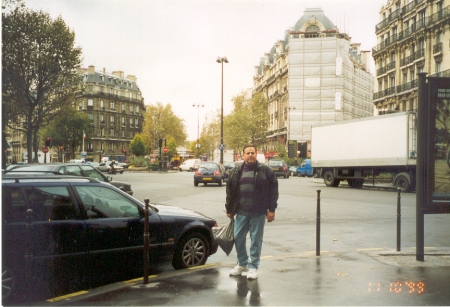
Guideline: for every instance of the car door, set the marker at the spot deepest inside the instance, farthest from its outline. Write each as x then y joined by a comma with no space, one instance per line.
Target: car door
114,224
47,222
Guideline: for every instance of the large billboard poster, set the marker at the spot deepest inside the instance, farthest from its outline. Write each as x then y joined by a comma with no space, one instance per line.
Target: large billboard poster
439,97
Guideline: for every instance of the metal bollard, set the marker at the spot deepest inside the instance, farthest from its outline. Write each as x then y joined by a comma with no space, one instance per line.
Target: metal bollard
398,220
318,225
146,237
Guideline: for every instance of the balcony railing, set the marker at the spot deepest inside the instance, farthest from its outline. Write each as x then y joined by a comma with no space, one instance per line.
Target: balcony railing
384,93
407,86
381,70
407,60
419,54
437,48
442,74
390,66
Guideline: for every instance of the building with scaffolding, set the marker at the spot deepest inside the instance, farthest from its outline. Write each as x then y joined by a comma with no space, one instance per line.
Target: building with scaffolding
315,75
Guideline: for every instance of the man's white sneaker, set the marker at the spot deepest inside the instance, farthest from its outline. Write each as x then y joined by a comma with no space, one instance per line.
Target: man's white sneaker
252,274
238,270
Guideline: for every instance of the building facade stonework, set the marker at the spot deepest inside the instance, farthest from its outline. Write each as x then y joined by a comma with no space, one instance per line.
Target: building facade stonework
314,75
413,37
116,109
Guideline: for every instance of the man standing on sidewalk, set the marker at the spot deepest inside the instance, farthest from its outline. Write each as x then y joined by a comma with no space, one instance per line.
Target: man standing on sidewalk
252,194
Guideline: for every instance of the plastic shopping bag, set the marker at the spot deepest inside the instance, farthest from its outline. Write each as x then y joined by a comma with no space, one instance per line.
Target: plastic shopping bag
224,236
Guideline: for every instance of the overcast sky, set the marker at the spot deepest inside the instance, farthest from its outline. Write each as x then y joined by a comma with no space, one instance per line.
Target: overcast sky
171,46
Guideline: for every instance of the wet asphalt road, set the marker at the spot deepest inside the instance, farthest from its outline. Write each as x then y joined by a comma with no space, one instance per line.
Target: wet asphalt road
357,226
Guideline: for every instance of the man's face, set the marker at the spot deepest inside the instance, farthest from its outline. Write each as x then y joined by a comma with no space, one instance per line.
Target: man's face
250,155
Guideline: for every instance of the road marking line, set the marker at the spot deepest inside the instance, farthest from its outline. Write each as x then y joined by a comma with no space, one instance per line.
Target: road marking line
138,279
59,298
202,266
266,257
370,249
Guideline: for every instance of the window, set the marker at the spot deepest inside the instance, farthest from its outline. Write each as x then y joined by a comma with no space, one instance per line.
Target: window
47,203
137,109
123,121
111,133
102,117
102,132
102,202
90,102
123,107
112,105
136,122
102,105
111,119
131,122
312,31
91,88
91,116
123,133
102,147
90,146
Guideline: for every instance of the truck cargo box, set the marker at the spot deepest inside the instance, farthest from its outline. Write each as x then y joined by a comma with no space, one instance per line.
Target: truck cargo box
384,140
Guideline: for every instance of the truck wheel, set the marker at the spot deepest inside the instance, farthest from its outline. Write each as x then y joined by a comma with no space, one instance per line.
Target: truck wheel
403,182
329,179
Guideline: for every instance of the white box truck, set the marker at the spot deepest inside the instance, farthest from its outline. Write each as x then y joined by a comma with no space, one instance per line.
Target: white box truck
356,150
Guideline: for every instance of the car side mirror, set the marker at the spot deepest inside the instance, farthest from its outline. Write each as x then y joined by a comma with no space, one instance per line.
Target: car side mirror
109,178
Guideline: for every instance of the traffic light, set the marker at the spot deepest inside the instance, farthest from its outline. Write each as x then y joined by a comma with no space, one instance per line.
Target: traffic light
48,141
160,142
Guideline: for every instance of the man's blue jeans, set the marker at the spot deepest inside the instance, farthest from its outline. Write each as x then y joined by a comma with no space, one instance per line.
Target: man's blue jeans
254,226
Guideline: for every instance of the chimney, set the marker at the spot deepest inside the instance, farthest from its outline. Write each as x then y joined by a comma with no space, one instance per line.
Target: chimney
91,69
132,78
119,74
104,70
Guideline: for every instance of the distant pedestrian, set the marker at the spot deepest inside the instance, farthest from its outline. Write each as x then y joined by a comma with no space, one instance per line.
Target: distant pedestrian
252,195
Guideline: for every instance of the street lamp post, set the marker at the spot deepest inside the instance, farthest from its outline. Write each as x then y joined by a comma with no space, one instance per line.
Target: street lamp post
221,60
197,146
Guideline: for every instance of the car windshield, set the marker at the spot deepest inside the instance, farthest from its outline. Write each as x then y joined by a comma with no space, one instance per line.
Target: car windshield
209,165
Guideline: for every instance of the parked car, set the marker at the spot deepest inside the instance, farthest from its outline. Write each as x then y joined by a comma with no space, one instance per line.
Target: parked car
123,165
75,169
229,165
62,234
210,172
106,166
190,165
293,170
279,167
305,169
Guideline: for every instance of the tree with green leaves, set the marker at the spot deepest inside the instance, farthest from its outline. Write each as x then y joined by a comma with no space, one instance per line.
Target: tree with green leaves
137,146
39,70
247,123
162,123
67,130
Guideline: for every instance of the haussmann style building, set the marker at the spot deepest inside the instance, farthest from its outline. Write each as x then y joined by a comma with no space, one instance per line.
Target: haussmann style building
314,75
413,37
116,108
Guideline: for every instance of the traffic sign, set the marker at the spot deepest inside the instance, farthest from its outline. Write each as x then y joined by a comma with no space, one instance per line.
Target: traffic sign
221,147
165,149
44,149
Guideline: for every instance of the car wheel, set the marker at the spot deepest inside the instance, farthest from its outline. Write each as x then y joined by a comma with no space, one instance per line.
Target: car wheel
8,282
329,179
192,250
196,183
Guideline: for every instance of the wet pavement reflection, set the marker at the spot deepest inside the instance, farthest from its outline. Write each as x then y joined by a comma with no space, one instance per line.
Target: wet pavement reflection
347,278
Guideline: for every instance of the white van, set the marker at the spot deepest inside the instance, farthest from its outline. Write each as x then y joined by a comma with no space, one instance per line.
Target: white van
77,161
190,165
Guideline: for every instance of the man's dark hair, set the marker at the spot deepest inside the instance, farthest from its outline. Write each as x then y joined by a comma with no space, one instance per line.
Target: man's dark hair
249,145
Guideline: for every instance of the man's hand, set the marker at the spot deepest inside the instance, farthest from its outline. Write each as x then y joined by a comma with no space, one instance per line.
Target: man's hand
270,216
229,215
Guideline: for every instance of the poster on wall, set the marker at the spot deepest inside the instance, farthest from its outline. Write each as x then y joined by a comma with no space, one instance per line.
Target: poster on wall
439,97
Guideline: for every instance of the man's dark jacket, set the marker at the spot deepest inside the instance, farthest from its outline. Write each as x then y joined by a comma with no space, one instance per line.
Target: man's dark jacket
266,189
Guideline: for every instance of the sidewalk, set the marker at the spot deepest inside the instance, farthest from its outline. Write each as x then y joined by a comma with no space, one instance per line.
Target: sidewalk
357,277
